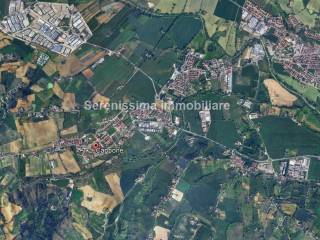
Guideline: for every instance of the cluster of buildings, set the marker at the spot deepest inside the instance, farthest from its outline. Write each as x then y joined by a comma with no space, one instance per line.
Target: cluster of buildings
222,71
109,136
302,74
181,81
312,35
246,104
215,69
205,117
300,59
253,19
151,120
42,59
150,126
54,26
68,142
10,57
255,53
298,26
295,23
297,168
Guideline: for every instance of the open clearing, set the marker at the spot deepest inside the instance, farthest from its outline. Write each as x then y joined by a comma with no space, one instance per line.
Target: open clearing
38,134
282,136
314,6
193,6
114,183
72,65
50,68
12,147
228,42
171,6
97,201
211,23
69,162
279,96
288,208
303,13
69,102
100,202
8,210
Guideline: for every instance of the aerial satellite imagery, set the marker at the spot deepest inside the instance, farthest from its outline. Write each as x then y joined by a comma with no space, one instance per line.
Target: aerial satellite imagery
160,120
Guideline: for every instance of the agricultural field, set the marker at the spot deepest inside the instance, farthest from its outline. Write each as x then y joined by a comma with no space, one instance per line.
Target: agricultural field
314,170
205,7
224,131
111,74
182,36
70,172
307,14
303,13
107,32
282,136
228,42
246,82
186,6
79,86
138,88
170,6
228,10
210,23
279,96
150,29
161,67
221,129
313,6
163,32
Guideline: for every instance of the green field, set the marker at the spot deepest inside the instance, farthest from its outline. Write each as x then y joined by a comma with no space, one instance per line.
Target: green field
228,42
314,6
303,13
221,129
282,135
161,67
309,92
193,6
224,132
139,88
3,10
198,42
187,6
151,29
209,5
184,29
246,83
107,32
111,74
79,86
19,48
170,6
314,170
228,10
309,118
